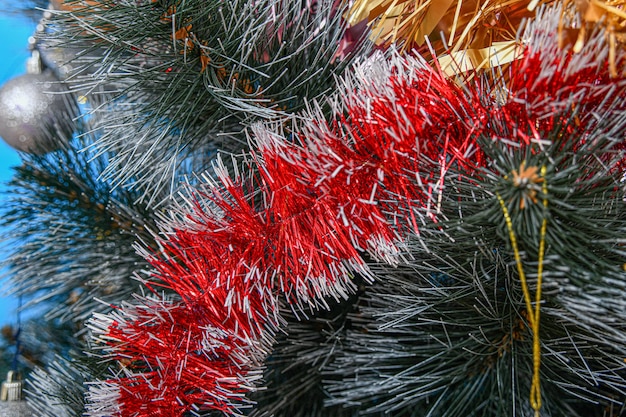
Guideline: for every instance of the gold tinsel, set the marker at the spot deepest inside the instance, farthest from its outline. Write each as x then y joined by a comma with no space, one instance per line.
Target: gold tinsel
474,34
451,25
609,15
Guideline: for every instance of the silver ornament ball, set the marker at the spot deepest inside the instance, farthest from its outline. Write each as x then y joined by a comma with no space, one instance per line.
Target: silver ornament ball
36,113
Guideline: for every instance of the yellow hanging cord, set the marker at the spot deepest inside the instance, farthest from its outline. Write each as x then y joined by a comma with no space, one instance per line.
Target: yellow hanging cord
533,314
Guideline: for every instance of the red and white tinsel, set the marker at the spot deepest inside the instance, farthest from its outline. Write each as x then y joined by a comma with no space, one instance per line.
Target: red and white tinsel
313,197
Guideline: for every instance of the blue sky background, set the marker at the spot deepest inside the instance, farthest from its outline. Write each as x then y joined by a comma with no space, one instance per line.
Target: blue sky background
14,32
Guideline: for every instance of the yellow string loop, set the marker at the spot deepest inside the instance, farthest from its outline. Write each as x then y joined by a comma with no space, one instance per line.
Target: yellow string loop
533,314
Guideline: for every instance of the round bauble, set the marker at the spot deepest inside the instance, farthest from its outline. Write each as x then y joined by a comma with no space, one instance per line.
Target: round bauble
36,113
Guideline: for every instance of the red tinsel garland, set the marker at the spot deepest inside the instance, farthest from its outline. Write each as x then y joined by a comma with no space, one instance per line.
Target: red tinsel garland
323,195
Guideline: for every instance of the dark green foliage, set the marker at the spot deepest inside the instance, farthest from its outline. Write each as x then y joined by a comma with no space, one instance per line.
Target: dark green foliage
71,252
71,235
59,390
446,333
172,79
157,116
293,383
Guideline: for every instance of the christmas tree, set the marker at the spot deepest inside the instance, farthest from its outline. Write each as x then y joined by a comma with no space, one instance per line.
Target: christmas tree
322,208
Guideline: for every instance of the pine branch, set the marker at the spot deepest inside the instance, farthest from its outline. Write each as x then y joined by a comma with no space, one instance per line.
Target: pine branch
58,391
431,179
184,75
293,383
447,333
70,236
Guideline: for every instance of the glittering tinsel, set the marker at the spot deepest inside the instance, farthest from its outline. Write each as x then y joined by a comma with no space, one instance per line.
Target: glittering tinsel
367,242
448,326
400,180
292,222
